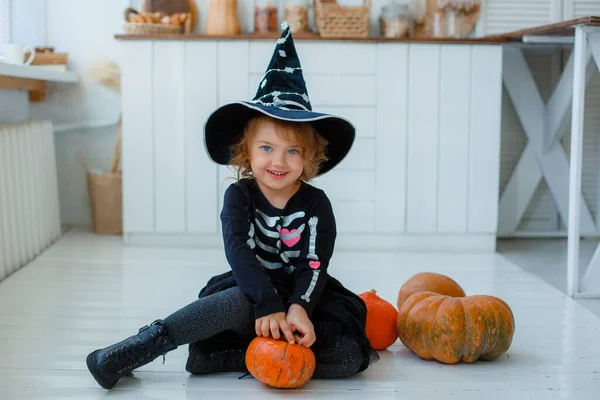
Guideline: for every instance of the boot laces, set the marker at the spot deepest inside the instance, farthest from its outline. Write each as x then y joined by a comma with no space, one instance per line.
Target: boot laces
129,355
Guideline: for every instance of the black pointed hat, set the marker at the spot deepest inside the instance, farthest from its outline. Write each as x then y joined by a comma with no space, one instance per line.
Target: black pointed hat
281,94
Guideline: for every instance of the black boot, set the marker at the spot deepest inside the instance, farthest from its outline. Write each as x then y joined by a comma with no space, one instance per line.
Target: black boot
221,353
110,364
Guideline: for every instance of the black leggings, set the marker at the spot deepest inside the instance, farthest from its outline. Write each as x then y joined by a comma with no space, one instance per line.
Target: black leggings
230,310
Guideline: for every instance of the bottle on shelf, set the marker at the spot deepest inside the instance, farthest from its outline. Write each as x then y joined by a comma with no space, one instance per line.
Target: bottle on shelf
265,16
296,14
395,20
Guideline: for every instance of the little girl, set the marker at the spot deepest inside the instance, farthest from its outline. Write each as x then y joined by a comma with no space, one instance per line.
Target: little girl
279,234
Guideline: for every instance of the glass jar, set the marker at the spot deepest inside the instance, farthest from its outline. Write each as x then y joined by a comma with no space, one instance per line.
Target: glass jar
296,14
265,16
395,20
449,24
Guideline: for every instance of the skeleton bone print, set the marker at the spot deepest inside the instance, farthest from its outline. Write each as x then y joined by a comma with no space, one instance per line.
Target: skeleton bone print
279,254
264,230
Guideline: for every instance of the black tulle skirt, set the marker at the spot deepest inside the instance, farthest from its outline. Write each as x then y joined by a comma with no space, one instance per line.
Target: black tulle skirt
339,313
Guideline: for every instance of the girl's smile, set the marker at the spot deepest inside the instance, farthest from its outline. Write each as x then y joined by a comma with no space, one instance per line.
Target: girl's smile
276,162
277,174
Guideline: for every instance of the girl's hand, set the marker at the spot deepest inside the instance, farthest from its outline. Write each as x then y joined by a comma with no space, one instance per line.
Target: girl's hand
298,320
269,325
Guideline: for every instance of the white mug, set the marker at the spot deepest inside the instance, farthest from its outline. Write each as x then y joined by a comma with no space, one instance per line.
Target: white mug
15,54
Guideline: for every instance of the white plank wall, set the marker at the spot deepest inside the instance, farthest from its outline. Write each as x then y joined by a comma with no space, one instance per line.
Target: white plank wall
425,163
484,142
391,127
169,87
138,137
233,83
453,167
422,139
199,171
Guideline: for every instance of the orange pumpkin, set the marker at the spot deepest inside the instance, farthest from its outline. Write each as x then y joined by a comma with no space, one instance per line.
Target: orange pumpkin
451,329
381,323
278,363
429,282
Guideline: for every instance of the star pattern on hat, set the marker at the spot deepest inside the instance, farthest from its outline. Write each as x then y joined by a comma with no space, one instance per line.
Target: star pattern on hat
282,85
281,94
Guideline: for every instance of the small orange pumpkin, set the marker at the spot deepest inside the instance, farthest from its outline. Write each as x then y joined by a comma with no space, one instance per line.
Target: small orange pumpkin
429,282
280,364
381,320
450,329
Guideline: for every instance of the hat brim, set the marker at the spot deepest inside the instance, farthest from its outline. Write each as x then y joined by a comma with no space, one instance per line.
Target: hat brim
224,126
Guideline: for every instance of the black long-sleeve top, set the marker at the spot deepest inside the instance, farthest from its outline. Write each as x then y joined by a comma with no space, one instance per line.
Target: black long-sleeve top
265,244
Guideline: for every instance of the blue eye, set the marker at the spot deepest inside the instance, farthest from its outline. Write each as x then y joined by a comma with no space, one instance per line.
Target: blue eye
266,148
292,151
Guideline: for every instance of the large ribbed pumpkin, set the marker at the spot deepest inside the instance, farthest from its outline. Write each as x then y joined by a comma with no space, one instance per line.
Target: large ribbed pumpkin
454,329
382,318
278,363
429,282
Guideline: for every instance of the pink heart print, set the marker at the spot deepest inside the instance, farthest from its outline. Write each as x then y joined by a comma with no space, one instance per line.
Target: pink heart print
289,242
314,264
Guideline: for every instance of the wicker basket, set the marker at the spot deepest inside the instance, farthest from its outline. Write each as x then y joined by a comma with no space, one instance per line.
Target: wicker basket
139,28
333,20
150,29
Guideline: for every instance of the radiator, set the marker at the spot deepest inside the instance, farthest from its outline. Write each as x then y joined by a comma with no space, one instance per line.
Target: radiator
29,208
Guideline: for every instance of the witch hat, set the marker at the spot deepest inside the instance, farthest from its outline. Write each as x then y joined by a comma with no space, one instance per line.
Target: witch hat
281,94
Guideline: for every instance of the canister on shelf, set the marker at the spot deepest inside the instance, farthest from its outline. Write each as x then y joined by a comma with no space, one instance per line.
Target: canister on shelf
265,16
395,20
296,14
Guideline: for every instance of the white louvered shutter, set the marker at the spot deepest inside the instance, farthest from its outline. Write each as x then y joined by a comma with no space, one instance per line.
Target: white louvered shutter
581,8
498,16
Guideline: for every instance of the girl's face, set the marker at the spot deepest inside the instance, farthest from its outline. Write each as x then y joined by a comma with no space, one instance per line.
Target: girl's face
277,163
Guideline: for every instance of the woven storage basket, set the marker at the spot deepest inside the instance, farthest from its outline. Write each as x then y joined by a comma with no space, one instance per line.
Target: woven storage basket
333,20
140,28
150,29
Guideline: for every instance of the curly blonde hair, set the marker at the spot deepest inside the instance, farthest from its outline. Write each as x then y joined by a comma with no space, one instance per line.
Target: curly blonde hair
303,134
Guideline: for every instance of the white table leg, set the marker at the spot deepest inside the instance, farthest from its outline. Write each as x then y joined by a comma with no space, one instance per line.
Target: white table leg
589,287
575,162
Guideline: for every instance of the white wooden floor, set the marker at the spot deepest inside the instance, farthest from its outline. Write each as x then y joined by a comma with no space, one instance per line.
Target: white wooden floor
547,259
88,291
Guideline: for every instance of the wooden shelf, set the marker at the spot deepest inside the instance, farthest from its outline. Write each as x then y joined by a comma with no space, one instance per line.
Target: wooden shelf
44,74
308,37
32,79
562,28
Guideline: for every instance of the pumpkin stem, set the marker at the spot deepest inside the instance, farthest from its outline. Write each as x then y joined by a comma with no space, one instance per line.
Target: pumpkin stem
373,291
